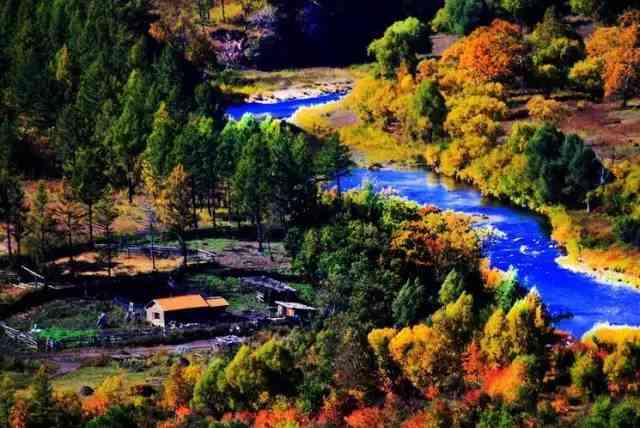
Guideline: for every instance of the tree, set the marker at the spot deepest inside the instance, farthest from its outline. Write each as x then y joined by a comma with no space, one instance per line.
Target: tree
177,391
400,45
293,181
208,395
41,402
69,214
160,143
40,223
251,183
106,214
452,288
88,180
7,399
333,160
128,135
461,16
617,51
116,417
13,210
428,111
561,167
409,305
174,206
603,10
546,110
493,53
586,373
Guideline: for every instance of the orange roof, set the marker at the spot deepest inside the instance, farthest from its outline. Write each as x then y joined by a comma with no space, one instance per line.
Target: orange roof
181,303
217,302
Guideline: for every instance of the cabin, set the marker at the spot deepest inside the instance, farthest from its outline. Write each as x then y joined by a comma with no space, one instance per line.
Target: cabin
192,309
268,290
294,310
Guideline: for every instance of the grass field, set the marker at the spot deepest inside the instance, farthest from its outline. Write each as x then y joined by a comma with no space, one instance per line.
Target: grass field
94,376
73,316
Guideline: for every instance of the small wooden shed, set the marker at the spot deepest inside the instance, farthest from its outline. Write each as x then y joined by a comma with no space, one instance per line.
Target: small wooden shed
294,310
268,290
184,310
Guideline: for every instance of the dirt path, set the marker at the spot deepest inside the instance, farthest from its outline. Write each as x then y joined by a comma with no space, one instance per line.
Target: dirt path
71,360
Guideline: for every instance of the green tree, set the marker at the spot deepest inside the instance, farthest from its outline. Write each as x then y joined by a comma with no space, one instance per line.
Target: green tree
461,16
69,215
400,45
333,160
452,287
251,183
586,373
128,134
40,223
106,215
7,399
41,402
294,189
88,180
116,417
160,142
562,167
429,111
174,207
209,392
409,305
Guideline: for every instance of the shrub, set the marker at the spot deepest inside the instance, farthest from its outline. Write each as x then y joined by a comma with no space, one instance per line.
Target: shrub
627,230
545,110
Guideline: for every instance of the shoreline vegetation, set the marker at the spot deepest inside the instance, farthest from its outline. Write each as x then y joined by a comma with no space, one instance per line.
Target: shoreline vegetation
114,141
370,153
507,142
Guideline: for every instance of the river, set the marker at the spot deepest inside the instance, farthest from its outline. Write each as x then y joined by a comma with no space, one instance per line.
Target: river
524,244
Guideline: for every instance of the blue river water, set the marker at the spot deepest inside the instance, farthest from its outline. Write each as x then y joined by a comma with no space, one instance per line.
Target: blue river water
523,240
280,110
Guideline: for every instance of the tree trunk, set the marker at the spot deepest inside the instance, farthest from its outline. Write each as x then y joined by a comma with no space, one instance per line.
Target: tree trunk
183,246
212,210
70,243
224,17
109,256
259,231
194,207
90,212
153,253
9,249
130,189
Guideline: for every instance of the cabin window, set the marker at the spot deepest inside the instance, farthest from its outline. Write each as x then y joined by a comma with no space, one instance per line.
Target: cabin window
156,316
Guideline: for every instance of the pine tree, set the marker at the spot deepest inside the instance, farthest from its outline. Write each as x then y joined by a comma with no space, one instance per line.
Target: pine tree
69,214
333,161
88,180
7,399
174,206
40,223
128,134
106,214
41,402
251,183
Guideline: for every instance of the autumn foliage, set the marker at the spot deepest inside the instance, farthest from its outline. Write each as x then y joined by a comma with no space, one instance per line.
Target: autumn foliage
493,53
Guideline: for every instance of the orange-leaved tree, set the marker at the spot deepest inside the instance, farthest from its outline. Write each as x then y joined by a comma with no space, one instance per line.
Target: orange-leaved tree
493,53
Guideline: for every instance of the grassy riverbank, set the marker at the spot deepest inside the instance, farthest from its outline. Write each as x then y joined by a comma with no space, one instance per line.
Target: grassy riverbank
587,236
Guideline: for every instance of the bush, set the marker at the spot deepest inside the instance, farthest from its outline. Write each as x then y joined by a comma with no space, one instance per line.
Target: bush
627,230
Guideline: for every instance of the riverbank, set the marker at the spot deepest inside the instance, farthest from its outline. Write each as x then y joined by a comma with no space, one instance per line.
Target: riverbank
253,86
609,277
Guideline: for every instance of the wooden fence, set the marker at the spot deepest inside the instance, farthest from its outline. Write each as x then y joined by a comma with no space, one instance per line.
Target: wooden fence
160,252
140,337
27,339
